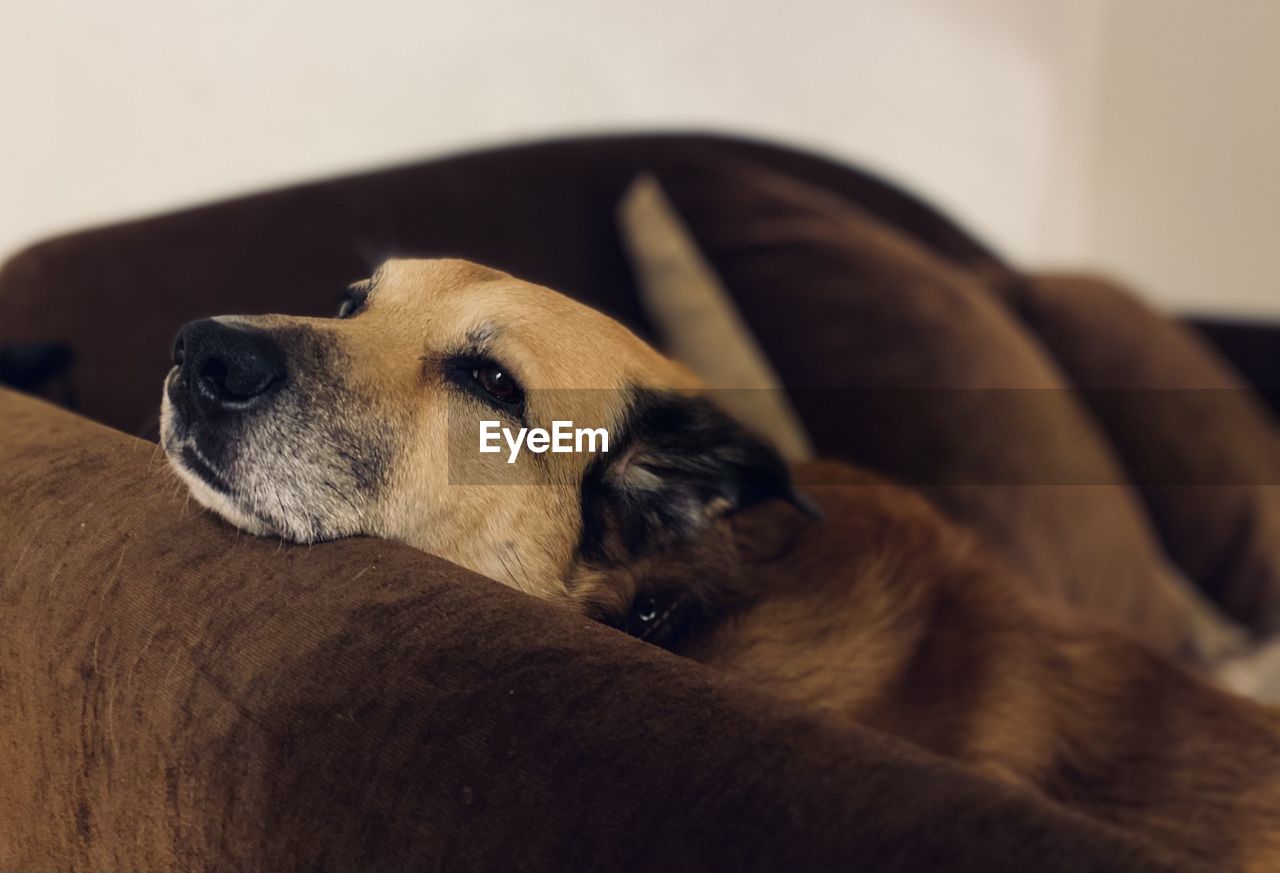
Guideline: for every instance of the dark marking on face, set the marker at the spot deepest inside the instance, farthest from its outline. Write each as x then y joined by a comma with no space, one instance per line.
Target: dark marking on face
679,463
207,473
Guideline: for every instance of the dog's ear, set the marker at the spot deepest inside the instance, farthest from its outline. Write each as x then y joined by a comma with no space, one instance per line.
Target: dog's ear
680,463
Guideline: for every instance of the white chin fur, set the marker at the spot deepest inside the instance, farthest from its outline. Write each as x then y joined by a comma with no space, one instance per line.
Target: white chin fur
282,506
219,503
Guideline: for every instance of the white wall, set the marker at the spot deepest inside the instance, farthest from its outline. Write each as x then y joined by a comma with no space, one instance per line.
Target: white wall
1000,110
1186,183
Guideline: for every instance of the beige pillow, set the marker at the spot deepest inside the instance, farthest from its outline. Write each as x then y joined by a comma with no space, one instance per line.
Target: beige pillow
698,323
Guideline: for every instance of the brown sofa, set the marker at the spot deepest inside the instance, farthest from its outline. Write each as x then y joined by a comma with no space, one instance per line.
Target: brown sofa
174,695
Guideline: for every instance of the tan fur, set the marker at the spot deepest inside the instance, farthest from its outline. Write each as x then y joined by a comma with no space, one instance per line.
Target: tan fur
522,530
884,614
518,533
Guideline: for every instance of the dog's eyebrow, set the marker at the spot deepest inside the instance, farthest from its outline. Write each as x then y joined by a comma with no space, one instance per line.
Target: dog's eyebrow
480,337
476,343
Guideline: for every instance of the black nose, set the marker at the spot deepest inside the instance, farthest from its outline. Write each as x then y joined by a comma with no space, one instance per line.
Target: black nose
226,368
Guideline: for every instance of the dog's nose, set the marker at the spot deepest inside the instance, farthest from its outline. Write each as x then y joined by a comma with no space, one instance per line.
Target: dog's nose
227,368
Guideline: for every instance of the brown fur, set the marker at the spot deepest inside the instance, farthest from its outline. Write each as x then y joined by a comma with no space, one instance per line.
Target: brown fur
883,614
886,615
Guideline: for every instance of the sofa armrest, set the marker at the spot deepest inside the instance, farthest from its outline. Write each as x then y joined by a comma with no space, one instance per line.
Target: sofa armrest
179,696
1252,348
293,249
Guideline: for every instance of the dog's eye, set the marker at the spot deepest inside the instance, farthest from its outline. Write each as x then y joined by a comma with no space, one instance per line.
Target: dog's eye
352,302
497,384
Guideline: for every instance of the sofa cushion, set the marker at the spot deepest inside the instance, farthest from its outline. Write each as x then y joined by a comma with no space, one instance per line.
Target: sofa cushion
180,696
1251,346
907,365
1202,449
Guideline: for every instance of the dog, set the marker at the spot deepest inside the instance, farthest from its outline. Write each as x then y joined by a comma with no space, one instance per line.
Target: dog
851,596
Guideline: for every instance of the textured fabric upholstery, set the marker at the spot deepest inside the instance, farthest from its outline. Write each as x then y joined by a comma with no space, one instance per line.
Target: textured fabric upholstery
178,696
1202,448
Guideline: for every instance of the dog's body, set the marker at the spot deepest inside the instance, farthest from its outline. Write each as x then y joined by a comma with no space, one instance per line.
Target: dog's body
886,615
881,614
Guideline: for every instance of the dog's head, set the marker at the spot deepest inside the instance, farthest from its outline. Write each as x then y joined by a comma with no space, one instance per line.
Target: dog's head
371,423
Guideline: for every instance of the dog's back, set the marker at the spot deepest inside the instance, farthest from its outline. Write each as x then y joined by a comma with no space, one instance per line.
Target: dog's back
887,615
